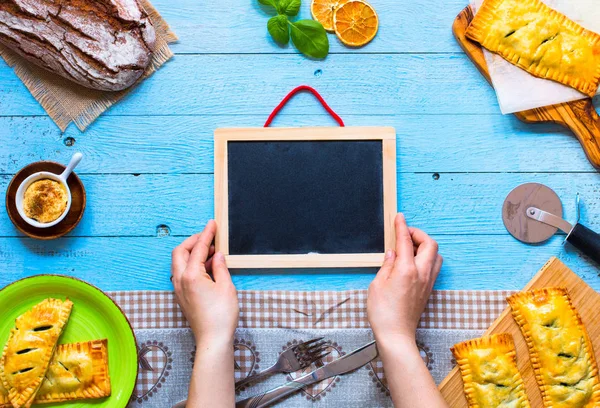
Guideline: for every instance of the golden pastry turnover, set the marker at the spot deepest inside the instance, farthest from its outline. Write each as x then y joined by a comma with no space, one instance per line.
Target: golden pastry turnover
77,371
540,40
4,401
559,347
30,347
488,367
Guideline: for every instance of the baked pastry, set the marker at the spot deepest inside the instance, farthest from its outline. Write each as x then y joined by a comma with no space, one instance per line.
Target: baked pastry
100,44
4,401
542,41
559,347
488,366
77,371
30,347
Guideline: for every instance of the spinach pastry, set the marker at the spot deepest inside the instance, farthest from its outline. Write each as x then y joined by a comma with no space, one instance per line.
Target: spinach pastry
540,40
559,347
488,366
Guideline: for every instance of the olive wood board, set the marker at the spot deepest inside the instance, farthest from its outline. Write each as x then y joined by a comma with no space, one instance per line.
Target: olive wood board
585,299
578,116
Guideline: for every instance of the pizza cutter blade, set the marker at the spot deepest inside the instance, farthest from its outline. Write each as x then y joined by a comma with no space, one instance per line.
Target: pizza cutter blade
514,212
533,213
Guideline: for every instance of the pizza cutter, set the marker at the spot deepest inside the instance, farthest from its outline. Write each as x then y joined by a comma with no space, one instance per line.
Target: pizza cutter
533,213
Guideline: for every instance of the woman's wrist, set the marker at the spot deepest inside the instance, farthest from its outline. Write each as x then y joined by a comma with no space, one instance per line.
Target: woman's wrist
213,354
395,342
214,342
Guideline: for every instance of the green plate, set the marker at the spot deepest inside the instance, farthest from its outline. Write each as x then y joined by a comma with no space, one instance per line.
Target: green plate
94,316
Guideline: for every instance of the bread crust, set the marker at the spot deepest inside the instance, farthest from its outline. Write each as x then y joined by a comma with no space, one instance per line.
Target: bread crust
101,44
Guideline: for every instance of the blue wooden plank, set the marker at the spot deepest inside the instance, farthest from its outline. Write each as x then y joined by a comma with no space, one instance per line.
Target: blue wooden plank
234,27
229,27
484,262
253,84
456,203
183,144
447,121
471,204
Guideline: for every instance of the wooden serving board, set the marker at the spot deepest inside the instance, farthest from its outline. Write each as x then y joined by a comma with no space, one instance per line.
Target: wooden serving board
585,299
578,116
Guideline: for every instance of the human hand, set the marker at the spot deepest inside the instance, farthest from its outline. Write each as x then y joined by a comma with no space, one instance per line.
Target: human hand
209,304
399,293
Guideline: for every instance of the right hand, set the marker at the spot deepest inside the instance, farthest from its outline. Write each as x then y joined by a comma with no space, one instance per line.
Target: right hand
399,293
210,304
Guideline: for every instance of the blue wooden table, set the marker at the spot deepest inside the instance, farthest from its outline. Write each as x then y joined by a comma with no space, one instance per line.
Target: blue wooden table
149,160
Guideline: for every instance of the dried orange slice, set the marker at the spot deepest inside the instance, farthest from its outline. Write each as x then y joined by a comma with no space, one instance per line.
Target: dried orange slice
322,11
355,23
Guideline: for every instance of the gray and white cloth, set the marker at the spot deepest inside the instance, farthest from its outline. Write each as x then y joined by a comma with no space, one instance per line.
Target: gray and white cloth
167,359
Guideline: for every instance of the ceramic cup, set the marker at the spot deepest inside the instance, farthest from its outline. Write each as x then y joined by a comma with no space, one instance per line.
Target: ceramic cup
44,175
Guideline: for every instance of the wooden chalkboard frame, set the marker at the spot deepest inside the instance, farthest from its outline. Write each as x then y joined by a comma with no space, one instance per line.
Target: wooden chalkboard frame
387,135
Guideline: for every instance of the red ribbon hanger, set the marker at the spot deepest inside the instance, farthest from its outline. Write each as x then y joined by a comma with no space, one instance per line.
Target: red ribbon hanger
291,95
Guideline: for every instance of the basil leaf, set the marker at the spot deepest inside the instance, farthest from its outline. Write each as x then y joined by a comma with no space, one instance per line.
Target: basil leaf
278,28
310,38
289,7
268,3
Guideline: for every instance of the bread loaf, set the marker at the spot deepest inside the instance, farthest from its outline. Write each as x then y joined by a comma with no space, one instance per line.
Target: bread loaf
100,44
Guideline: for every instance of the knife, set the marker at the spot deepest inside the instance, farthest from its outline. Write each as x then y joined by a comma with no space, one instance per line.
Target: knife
343,365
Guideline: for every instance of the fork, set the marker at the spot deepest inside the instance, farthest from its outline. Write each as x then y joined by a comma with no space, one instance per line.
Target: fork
293,359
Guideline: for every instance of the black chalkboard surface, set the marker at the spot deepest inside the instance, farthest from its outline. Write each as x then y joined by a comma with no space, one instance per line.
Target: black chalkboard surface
310,197
301,197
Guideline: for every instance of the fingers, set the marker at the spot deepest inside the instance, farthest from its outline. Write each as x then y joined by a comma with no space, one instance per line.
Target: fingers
404,242
201,250
181,255
437,267
427,249
189,258
388,265
208,263
219,270
418,236
189,243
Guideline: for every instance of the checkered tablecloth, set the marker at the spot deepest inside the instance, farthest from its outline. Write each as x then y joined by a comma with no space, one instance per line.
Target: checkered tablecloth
272,321
473,310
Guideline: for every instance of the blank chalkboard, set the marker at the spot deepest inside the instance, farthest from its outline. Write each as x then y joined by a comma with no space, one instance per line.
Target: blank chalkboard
286,196
305,197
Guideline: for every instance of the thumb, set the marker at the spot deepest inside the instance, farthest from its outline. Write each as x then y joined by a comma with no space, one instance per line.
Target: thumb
388,265
219,269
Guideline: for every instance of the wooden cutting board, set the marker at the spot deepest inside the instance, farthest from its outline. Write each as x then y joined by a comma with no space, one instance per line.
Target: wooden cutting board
578,116
585,299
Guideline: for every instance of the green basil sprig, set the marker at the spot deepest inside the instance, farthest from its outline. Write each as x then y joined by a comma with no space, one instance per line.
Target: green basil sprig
309,36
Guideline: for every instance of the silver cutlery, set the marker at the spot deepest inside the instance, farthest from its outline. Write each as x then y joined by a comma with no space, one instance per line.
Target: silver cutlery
294,359
343,365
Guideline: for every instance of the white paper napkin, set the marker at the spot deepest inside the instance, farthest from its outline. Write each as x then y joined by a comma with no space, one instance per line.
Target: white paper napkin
516,89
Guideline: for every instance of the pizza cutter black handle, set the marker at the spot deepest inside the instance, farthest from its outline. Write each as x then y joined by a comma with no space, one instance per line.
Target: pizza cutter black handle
586,240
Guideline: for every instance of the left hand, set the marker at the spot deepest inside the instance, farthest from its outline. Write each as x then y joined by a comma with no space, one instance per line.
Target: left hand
209,304
399,292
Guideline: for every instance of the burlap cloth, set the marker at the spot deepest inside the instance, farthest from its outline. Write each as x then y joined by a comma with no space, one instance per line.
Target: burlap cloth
66,101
